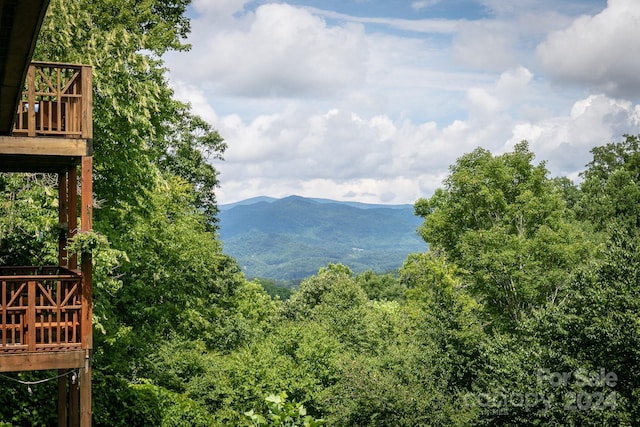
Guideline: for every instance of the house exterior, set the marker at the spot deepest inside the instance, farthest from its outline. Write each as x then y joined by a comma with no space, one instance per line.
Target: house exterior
46,127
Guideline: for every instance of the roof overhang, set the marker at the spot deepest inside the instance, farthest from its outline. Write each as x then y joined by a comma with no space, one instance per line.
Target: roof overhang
20,22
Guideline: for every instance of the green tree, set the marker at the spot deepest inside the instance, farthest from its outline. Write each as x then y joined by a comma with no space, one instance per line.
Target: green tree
381,286
140,131
28,219
423,362
506,225
164,275
611,187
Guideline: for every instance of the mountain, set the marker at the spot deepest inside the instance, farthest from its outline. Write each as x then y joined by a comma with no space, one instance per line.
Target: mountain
291,238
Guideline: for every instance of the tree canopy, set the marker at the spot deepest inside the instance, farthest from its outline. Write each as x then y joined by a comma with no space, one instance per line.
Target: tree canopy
505,223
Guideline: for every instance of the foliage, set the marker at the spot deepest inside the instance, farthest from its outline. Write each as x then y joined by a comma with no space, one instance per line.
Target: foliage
385,287
524,273
28,219
274,288
139,129
611,187
504,222
23,404
283,414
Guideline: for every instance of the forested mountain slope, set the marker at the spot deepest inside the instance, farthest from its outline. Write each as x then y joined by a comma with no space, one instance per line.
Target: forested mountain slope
291,238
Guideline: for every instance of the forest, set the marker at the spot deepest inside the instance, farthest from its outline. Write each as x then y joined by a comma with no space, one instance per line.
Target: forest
524,310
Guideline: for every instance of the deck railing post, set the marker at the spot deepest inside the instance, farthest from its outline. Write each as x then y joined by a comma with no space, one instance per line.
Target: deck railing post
87,102
31,101
31,315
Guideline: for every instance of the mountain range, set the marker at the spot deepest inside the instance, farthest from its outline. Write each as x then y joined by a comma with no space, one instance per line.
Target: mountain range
289,239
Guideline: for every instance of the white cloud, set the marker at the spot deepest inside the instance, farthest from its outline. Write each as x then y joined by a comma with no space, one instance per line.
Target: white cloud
279,50
565,141
600,51
435,26
358,112
514,83
511,87
341,155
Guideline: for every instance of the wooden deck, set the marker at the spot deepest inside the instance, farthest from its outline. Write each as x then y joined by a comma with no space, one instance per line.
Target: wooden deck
41,318
53,126
56,101
45,313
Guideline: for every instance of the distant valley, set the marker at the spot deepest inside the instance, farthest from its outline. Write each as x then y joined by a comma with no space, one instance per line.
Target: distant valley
291,238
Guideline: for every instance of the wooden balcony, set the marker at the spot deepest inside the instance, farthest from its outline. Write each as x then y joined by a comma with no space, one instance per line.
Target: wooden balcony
55,101
53,122
41,318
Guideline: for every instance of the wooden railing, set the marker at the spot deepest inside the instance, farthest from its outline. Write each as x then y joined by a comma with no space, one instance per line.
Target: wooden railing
56,101
40,309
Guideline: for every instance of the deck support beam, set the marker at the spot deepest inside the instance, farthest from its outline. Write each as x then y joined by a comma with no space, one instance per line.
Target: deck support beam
86,224
62,398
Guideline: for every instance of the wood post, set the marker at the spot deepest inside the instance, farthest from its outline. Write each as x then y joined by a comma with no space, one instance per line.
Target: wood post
62,397
72,215
86,223
63,220
87,102
31,103
31,315
73,404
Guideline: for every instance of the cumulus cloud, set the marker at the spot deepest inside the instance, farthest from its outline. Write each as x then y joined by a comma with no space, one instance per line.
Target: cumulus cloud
341,155
337,109
278,51
599,51
488,103
565,141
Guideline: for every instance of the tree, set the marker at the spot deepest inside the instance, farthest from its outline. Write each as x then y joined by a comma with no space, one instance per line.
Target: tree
381,286
506,225
140,131
28,219
611,187
154,203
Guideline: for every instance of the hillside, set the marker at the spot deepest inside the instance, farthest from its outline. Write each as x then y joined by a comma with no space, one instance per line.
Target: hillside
291,238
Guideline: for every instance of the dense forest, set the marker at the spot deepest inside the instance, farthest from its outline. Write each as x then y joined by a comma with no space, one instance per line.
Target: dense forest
524,311
289,239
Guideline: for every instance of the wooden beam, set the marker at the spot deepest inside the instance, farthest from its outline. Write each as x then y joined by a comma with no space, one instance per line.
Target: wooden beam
31,315
74,403
86,224
16,362
63,220
87,102
62,397
72,213
45,146
85,393
86,182
31,96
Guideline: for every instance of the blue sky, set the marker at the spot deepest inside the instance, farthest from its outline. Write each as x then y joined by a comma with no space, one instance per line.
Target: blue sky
372,100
